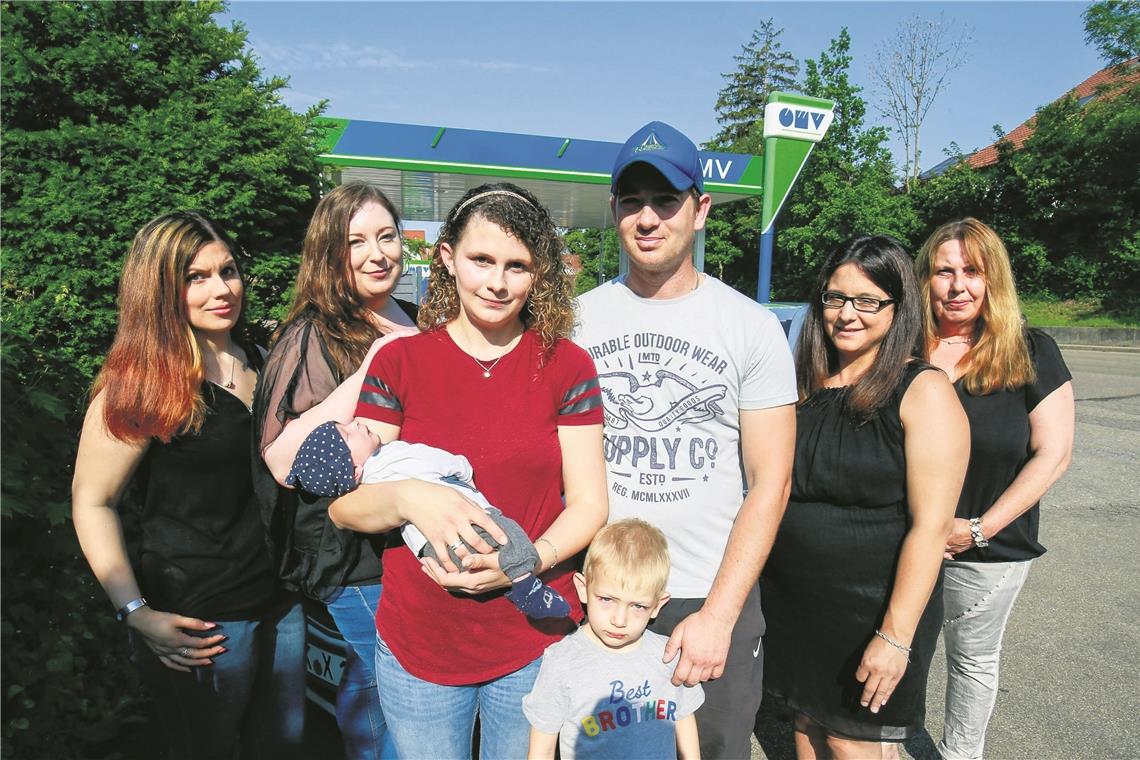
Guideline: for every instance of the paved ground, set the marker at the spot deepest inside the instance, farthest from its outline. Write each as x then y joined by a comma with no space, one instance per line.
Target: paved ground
1070,668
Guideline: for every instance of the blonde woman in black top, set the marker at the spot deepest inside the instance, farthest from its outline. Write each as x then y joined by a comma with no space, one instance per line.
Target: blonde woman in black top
1018,395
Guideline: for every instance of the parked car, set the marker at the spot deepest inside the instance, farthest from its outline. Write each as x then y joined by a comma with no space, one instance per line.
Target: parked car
792,316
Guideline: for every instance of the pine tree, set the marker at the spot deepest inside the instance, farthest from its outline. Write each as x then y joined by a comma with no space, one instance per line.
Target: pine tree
762,67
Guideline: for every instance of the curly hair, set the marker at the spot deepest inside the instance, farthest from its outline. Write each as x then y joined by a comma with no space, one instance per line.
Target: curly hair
549,308
325,291
999,357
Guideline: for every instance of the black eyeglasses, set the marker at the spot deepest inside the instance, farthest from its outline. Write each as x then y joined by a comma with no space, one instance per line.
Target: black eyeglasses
866,304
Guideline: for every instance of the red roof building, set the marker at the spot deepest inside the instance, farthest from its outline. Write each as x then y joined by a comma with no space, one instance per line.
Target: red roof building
1090,89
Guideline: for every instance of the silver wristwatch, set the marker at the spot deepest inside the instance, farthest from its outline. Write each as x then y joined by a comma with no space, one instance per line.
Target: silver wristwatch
976,534
128,608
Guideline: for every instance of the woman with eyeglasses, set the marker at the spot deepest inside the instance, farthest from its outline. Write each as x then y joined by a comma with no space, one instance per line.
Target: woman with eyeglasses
852,588
1018,396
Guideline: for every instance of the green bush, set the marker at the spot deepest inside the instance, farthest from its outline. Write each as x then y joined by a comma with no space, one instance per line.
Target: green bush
113,113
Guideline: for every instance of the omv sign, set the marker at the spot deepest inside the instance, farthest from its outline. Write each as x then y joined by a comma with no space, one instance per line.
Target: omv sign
796,121
717,169
726,168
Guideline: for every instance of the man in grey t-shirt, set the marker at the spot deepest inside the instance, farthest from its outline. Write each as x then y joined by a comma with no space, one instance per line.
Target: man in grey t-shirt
699,391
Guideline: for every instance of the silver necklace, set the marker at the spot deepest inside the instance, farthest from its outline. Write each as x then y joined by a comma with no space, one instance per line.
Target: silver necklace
233,363
952,342
487,369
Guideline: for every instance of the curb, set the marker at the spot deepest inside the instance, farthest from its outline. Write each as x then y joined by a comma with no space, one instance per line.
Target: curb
1109,337
1102,349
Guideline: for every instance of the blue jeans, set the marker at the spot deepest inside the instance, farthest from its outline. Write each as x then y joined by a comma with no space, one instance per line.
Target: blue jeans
358,710
433,721
252,697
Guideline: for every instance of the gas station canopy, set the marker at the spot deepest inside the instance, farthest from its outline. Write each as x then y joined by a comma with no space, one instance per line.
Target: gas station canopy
426,169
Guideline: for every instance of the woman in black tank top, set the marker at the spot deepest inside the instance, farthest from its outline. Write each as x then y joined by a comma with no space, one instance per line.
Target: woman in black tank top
220,645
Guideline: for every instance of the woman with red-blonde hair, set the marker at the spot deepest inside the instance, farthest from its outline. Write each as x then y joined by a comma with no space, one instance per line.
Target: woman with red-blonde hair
218,642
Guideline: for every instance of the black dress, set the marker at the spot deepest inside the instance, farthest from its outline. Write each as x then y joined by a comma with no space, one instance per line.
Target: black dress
828,580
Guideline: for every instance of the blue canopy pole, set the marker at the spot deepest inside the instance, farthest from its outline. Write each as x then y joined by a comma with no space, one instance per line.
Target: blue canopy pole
764,281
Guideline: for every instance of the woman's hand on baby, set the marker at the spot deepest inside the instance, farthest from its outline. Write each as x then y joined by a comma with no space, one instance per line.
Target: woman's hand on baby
447,520
484,574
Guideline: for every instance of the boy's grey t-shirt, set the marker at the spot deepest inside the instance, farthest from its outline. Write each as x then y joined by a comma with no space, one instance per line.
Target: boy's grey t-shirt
604,703
675,375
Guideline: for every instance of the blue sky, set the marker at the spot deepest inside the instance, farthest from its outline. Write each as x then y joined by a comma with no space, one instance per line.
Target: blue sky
593,70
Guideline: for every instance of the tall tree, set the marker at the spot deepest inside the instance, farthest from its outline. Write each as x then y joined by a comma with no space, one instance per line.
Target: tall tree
762,67
113,114
847,186
911,67
1113,28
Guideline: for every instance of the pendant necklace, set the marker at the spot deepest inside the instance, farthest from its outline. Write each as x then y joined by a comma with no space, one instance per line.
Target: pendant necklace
487,369
233,363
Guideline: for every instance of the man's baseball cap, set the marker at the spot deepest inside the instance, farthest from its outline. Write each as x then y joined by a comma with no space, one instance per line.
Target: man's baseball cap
666,150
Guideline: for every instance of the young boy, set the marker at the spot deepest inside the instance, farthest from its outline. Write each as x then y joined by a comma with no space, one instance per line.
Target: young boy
604,690
334,457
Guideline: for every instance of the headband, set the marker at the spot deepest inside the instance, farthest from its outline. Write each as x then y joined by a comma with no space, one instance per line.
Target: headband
484,194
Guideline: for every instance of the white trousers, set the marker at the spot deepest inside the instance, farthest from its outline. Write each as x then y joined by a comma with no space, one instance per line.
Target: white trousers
977,598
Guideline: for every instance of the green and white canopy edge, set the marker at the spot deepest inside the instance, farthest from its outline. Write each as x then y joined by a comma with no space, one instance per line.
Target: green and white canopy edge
426,169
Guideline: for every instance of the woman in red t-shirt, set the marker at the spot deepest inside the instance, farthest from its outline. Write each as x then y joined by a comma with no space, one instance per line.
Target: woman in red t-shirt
493,378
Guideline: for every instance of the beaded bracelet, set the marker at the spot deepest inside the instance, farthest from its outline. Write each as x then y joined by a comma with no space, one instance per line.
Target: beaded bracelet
905,650
552,548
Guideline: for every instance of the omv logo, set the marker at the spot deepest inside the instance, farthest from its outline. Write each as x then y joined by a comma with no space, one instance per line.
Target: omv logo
799,119
798,122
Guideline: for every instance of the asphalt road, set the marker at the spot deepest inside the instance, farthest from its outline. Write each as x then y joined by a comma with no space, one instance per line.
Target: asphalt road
1070,680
